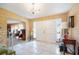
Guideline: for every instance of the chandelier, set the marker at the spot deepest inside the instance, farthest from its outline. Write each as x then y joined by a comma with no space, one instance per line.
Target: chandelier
34,8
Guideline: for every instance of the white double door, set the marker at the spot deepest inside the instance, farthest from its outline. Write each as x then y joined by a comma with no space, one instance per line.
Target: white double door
45,30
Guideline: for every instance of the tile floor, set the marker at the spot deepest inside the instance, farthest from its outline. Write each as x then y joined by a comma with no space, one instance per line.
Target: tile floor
36,48
14,41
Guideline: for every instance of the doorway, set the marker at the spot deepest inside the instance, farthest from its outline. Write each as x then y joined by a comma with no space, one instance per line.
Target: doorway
16,32
47,31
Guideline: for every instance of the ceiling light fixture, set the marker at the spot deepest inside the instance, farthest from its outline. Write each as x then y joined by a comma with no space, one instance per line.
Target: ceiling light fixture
35,8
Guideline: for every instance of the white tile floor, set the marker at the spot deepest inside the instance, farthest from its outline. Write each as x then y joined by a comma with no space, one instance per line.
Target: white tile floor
36,48
13,41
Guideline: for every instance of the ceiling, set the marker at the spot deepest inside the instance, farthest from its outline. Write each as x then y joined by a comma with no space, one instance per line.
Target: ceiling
46,9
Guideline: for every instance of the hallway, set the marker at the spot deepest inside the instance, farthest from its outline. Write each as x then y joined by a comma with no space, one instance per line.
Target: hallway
48,23
37,48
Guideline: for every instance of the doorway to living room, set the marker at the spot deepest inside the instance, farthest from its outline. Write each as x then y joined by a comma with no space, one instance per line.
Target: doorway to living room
16,32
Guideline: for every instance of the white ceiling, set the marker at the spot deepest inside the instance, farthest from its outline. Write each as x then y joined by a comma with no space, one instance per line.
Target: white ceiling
46,9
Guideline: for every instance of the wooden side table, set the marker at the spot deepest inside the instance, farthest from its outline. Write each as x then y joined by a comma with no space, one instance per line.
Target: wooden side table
72,42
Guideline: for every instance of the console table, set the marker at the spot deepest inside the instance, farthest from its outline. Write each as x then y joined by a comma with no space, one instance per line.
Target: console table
72,42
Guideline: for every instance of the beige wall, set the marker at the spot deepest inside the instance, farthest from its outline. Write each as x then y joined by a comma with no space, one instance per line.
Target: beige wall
75,31
27,30
4,16
3,31
51,17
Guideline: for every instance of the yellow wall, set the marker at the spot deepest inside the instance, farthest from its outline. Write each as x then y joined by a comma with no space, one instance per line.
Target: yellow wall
4,16
52,17
75,31
27,29
3,31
